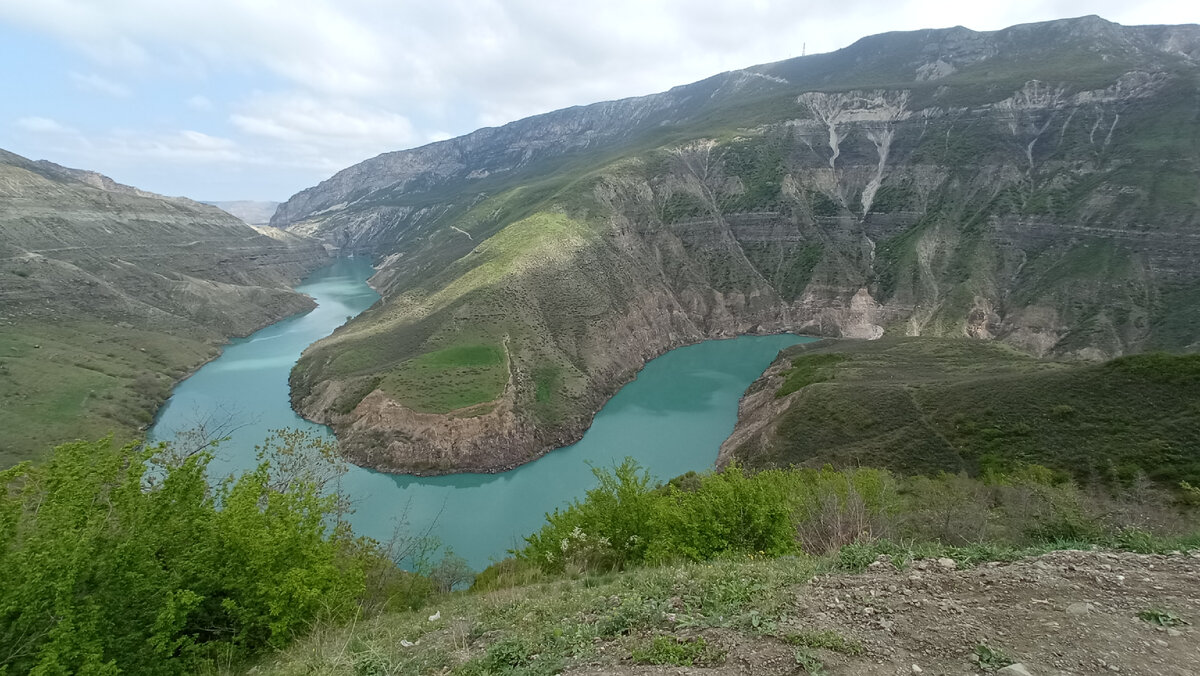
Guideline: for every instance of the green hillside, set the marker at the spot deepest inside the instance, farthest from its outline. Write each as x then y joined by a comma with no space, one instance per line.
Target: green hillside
926,405
109,295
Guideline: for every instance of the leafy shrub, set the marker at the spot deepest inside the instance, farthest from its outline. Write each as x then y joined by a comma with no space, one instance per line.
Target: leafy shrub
991,659
681,653
127,559
510,572
727,513
833,508
829,640
1159,367
450,572
624,520
1161,618
606,530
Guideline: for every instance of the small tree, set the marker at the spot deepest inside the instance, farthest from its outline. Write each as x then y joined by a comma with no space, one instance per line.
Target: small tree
451,571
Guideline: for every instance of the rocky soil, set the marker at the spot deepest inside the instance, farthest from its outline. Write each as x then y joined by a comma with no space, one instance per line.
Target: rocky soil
1064,613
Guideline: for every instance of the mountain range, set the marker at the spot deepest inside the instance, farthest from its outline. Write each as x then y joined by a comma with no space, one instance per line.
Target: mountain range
1037,186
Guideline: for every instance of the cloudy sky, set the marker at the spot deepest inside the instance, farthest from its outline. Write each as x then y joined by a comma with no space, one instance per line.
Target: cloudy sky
257,99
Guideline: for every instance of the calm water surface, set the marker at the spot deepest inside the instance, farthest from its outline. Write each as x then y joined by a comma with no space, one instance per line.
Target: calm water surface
672,419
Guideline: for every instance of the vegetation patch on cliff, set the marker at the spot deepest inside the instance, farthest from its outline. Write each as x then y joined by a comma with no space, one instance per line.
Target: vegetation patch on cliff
806,370
926,405
449,379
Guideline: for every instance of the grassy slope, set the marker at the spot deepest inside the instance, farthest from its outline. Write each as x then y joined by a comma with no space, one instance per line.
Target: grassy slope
107,297
922,405
603,622
85,380
451,344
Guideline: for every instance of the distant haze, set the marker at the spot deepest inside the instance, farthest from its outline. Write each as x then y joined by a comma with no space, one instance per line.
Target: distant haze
234,98
250,211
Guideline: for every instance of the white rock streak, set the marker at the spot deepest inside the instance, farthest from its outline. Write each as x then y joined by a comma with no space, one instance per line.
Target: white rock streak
878,111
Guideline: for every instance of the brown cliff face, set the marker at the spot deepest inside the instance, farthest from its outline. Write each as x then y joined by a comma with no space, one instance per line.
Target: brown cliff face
1034,185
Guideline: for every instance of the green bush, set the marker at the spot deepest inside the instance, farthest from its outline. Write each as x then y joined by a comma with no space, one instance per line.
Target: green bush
610,528
681,653
625,520
122,559
855,513
727,513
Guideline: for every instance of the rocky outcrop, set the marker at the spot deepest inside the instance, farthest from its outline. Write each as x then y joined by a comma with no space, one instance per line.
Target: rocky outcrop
937,183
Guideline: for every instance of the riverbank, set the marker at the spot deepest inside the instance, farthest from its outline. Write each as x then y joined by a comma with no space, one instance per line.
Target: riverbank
671,417
490,439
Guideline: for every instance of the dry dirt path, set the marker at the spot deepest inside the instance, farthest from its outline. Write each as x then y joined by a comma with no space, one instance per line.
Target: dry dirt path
1067,612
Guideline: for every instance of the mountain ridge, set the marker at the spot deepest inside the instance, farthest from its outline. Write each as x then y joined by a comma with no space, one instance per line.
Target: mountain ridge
1034,185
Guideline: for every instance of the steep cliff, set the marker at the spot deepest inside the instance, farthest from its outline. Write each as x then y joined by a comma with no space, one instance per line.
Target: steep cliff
1039,185
110,293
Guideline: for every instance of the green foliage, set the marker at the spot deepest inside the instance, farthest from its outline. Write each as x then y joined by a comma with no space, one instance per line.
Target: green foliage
758,162
859,514
607,530
450,572
448,379
991,659
727,513
1160,367
510,572
827,639
123,559
810,663
806,370
625,521
677,652
1161,618
1190,495
74,379
681,206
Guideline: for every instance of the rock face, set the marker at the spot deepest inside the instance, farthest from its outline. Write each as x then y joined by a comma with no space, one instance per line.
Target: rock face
75,242
92,270
1036,185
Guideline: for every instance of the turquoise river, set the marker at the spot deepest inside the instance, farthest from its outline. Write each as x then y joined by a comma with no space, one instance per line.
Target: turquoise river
672,418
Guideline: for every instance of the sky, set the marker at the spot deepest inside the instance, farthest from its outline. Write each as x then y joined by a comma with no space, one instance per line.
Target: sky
258,99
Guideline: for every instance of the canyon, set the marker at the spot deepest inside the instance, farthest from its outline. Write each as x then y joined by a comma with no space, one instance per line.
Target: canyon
1036,186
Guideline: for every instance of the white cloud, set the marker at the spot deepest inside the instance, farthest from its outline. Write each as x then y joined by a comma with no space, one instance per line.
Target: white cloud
201,103
323,134
99,85
44,125
295,118
324,83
